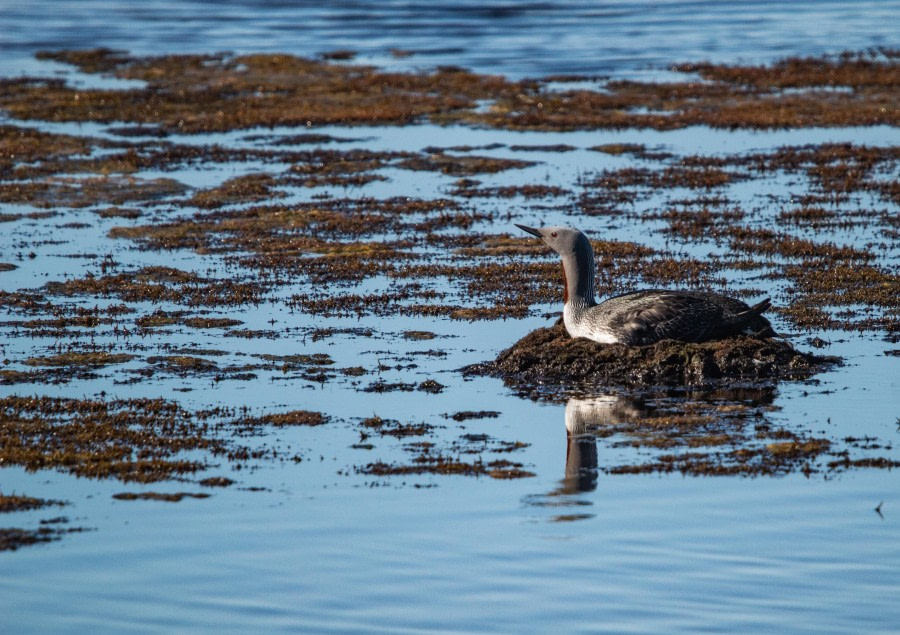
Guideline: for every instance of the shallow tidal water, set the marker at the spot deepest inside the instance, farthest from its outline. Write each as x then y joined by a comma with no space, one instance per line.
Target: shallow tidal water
315,544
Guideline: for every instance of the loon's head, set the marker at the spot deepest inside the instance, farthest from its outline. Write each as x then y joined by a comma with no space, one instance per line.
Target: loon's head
577,261
563,240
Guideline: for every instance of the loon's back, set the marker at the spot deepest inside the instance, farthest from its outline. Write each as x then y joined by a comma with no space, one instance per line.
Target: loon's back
645,317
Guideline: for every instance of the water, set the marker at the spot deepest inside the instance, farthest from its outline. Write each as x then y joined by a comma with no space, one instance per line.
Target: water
323,549
507,37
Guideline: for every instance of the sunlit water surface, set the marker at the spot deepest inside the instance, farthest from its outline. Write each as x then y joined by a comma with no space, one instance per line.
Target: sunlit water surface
322,549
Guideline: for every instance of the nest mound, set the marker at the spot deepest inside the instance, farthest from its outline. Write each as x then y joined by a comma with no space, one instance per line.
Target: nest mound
549,357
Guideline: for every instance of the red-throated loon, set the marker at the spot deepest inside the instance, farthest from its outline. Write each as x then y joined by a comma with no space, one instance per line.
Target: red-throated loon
643,317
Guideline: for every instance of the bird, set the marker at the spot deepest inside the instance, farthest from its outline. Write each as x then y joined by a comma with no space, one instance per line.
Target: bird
648,316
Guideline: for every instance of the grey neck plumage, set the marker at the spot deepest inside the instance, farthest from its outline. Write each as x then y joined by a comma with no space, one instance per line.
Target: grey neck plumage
578,268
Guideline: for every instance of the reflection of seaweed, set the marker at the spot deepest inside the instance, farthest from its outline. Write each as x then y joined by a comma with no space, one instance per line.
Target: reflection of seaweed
18,503
12,538
709,433
428,458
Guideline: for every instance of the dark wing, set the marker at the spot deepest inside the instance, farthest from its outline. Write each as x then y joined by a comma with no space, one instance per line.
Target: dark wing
671,316
646,317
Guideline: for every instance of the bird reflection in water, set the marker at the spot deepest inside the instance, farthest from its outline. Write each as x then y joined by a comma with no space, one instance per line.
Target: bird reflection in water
584,417
601,416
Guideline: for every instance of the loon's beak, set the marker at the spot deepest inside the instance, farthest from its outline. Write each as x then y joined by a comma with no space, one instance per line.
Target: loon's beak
530,230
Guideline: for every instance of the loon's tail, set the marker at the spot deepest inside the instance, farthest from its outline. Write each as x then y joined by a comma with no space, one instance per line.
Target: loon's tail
762,307
753,321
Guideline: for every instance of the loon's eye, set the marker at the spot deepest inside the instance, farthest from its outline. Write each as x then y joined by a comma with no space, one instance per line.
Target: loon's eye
553,234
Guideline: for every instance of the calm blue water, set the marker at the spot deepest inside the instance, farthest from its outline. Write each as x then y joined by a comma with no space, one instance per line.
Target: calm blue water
507,37
320,550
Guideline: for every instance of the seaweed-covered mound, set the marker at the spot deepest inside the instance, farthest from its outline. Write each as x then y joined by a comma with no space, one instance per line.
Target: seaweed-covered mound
549,357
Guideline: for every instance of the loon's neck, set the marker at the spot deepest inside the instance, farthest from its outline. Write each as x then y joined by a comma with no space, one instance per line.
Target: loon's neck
578,277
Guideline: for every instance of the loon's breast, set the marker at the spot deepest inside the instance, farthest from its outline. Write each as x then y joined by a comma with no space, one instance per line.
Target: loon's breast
589,324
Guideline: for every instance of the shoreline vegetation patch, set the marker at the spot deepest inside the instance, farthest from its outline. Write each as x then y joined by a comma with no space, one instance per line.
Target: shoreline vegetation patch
296,220
419,245
720,432
215,93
